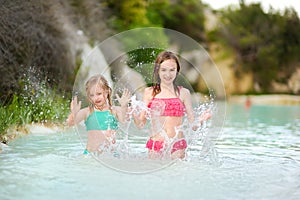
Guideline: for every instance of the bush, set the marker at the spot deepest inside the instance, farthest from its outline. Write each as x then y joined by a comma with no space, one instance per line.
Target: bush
267,44
36,103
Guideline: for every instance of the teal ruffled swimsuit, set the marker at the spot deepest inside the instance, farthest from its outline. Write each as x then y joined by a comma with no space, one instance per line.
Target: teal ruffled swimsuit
101,120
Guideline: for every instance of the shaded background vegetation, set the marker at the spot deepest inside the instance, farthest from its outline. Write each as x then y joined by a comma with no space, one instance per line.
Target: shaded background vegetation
30,36
267,44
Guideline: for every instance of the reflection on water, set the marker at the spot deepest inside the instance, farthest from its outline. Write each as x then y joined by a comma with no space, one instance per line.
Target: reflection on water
258,158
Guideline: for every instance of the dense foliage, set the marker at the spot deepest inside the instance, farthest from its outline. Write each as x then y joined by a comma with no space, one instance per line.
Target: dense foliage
128,14
185,16
267,44
142,60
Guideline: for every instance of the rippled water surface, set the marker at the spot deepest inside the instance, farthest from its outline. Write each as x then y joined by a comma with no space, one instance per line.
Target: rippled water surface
257,157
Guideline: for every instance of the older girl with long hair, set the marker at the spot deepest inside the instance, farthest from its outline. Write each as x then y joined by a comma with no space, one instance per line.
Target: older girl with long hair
168,104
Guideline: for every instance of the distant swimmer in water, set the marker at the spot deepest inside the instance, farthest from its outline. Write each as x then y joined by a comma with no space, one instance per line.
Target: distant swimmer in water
248,103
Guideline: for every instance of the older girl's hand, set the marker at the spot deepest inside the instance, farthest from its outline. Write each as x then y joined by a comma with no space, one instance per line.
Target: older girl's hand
206,115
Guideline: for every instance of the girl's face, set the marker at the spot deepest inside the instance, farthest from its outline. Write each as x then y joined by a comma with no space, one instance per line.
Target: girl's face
168,71
98,96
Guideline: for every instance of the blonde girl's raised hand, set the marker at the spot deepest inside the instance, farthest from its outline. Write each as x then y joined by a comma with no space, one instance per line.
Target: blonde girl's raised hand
125,98
75,108
123,101
75,105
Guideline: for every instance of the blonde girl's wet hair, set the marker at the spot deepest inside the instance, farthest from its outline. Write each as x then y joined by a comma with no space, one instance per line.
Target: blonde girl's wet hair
102,83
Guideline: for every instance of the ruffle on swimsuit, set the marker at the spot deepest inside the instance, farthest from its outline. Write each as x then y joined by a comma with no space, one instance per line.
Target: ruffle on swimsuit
171,106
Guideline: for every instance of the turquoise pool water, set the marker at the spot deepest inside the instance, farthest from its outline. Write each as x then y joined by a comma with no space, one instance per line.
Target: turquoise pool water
257,157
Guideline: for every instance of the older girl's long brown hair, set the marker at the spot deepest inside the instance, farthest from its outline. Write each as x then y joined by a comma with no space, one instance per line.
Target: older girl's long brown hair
161,57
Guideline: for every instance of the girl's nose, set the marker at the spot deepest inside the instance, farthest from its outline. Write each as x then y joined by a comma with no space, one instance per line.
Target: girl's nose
95,98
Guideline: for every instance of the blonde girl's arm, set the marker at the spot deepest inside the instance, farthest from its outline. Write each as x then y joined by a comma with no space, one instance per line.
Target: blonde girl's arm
77,114
121,111
81,115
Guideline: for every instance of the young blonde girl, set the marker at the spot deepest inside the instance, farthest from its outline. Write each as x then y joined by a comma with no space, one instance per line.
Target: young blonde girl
100,117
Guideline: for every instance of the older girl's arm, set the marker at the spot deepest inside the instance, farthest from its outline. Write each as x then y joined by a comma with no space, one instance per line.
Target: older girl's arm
140,119
206,115
187,100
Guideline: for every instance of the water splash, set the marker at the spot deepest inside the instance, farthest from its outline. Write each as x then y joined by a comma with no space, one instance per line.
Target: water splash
41,103
130,146
137,106
196,133
207,129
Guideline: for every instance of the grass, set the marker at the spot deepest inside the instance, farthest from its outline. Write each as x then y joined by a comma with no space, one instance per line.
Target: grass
38,106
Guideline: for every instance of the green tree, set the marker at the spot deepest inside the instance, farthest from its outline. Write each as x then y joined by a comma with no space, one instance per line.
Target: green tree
129,13
266,43
185,16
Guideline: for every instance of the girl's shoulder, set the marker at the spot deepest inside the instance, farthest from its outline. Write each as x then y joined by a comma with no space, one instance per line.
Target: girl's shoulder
183,91
114,110
83,113
148,93
149,89
86,111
